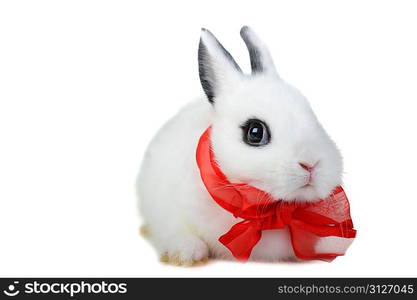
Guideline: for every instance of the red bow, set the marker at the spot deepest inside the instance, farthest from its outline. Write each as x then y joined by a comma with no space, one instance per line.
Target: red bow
320,230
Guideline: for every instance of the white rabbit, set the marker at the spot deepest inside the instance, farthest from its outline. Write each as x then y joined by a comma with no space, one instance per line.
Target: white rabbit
264,134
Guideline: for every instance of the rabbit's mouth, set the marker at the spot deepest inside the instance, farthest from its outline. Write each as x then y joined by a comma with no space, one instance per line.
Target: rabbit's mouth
308,187
309,192
306,192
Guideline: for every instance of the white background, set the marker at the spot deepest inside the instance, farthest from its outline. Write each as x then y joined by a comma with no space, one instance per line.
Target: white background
84,85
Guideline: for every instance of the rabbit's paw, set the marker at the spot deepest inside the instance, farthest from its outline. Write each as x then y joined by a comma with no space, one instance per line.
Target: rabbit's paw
186,251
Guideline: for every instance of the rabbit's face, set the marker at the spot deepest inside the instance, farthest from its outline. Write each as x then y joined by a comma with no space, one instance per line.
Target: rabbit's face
264,132
266,135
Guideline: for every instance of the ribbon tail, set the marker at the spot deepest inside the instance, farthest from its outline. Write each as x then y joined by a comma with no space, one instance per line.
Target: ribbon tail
320,241
241,239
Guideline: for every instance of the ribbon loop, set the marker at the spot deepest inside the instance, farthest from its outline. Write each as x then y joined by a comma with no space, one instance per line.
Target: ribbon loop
242,237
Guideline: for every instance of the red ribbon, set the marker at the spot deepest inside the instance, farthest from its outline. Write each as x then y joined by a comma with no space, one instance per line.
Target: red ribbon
309,223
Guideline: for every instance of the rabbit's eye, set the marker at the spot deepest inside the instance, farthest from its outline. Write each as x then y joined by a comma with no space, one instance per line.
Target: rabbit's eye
255,133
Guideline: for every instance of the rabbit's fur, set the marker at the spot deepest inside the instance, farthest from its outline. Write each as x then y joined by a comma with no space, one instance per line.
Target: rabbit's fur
184,222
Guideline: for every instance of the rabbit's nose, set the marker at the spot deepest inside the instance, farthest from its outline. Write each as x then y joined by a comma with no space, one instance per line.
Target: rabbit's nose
306,166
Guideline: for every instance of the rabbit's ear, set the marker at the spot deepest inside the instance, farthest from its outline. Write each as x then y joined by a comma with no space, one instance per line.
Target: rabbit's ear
218,70
260,59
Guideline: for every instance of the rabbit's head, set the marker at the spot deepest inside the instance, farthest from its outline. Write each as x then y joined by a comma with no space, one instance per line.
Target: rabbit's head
264,132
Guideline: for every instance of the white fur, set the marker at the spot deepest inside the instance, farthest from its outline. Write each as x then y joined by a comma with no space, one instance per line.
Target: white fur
180,214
